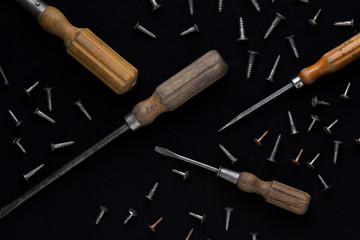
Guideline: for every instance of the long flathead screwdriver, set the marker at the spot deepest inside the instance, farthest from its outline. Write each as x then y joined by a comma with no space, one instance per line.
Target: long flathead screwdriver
328,63
167,97
273,192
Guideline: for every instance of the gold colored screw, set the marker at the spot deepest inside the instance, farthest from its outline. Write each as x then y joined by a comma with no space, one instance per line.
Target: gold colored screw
296,160
258,140
152,227
189,235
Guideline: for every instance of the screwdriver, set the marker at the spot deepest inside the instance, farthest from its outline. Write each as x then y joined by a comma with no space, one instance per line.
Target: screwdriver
167,97
273,192
85,47
330,62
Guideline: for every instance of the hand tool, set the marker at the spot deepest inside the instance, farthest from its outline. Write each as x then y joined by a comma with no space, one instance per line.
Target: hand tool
85,47
167,97
332,61
273,192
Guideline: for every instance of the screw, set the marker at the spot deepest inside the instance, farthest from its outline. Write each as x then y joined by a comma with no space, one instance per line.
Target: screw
273,70
275,22
314,120
293,45
103,210
200,217
252,55
303,1
345,23
132,213
16,141
258,140
191,7
152,227
274,151
254,235
293,131
315,102
61,145
152,191
32,172
336,150
189,235
296,160
228,211
228,154
6,82
27,91
194,28
220,5
155,5
144,30
326,187
17,122
185,174
312,22
357,140
241,31
82,108
327,129
311,164
256,5
43,115
344,96
49,98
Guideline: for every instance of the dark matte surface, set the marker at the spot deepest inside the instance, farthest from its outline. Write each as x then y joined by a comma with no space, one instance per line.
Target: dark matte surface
120,175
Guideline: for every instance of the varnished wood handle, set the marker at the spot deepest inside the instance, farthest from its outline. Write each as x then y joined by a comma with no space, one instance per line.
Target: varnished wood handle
275,193
332,61
181,87
90,51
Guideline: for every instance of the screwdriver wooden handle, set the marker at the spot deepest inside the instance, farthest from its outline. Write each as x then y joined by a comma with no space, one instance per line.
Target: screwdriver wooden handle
181,87
275,193
90,51
332,61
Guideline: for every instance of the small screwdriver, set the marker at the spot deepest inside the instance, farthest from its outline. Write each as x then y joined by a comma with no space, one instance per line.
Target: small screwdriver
330,62
273,192
167,97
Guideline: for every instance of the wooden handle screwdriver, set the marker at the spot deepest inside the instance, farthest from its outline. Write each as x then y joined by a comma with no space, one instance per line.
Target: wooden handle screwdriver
167,97
273,192
330,62
85,47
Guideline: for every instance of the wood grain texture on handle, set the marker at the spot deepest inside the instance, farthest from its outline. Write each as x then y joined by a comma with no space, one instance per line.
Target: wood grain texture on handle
332,61
181,87
90,51
275,193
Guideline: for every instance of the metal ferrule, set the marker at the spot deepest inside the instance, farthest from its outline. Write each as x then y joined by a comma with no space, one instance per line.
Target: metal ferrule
35,7
228,175
297,82
132,122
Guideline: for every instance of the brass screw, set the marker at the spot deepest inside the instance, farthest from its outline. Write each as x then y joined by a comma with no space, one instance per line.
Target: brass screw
296,160
189,235
258,140
152,227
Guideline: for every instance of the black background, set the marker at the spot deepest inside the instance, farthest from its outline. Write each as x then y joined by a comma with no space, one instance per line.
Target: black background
124,171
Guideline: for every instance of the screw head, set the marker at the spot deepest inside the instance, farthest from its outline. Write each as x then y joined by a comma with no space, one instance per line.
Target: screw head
137,25
186,174
252,52
271,159
296,162
203,218
315,118
36,110
312,23
196,27
229,209
290,37
156,6
327,130
253,233
133,212
310,165
280,16
344,97
352,22
16,140
327,188
243,39
257,142
148,196
294,132
337,142
104,209
314,101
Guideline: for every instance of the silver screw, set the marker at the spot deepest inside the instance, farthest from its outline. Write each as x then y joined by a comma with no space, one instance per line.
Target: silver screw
155,5
194,28
132,213
254,235
228,211
273,70
303,1
241,31
43,115
293,45
144,30
61,145
185,174
16,141
49,97
357,140
150,195
275,149
311,164
312,22
83,110
27,91
17,122
344,96
191,7
293,131
328,129
315,102
6,82
275,22
228,154
326,187
200,217
256,5
32,172
313,121
336,150
103,210
251,60
345,23
220,5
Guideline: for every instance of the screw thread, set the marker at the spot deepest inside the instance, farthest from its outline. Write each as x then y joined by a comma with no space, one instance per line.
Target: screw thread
315,158
227,220
220,5
275,149
322,181
61,145
99,217
256,5
32,87
49,98
32,172
190,30
293,46
311,125
317,15
178,172
17,122
195,215
228,154
44,116
147,32
127,219
343,24
274,23
83,110
249,70
273,70
292,123
6,82
242,28
189,234
323,103
347,89
152,191
191,7
336,152
333,124
21,147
